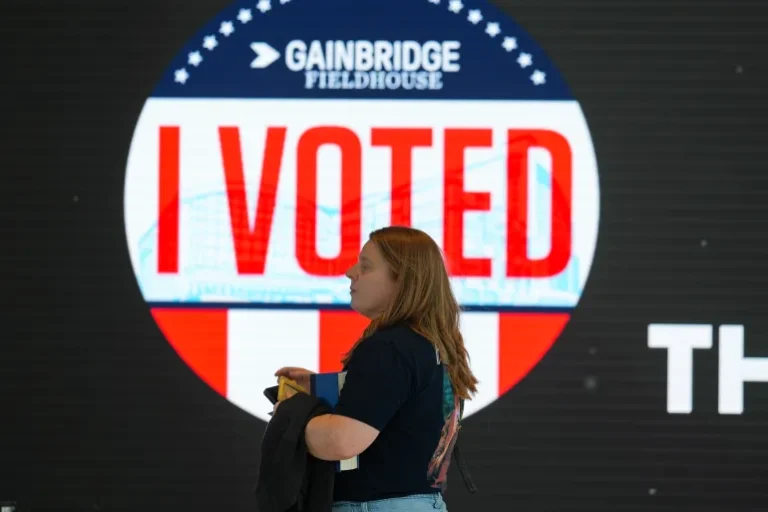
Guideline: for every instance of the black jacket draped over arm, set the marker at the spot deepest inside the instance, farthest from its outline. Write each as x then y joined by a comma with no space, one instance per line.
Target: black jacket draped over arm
290,479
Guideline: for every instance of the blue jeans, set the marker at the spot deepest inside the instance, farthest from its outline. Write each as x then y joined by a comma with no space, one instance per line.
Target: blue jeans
413,503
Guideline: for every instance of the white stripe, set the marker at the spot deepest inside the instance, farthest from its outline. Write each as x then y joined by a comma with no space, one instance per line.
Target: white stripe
261,341
481,338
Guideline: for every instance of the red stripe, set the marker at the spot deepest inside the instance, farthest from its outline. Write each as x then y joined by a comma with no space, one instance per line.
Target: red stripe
524,339
200,339
338,332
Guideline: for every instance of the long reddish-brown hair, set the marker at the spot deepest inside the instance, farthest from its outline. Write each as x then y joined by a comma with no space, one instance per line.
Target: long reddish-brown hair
423,300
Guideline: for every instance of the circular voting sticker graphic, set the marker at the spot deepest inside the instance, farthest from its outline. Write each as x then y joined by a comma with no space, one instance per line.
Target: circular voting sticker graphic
286,131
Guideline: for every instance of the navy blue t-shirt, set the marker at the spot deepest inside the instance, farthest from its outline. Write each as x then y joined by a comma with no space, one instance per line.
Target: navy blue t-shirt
396,384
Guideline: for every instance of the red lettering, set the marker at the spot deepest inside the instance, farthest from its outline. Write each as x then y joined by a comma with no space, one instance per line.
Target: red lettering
402,141
306,200
457,201
251,244
168,201
518,262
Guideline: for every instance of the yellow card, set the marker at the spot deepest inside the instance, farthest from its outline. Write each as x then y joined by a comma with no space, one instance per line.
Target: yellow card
286,388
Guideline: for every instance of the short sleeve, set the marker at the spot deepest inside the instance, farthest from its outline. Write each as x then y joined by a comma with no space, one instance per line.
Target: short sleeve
377,384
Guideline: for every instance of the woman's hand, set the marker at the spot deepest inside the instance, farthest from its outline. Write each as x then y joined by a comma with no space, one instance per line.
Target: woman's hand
300,375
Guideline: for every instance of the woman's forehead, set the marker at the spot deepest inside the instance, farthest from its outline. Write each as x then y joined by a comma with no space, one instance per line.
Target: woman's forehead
369,252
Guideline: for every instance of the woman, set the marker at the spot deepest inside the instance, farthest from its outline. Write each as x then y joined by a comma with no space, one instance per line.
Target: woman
407,378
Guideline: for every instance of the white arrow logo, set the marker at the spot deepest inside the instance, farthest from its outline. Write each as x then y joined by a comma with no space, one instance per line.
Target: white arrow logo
265,55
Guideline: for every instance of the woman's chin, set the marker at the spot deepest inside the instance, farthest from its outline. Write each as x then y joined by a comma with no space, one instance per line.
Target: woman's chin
362,311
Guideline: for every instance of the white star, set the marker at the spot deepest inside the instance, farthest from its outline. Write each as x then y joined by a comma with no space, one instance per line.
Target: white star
244,16
525,60
455,6
492,29
195,59
181,76
210,42
509,44
283,2
264,5
475,17
227,28
434,2
538,77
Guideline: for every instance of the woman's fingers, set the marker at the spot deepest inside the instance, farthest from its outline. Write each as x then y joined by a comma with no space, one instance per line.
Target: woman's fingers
292,372
287,371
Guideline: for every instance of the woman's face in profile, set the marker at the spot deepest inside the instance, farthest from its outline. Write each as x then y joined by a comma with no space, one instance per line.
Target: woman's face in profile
372,287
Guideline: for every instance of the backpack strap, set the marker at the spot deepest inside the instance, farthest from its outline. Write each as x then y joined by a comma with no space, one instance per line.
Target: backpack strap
457,458
463,469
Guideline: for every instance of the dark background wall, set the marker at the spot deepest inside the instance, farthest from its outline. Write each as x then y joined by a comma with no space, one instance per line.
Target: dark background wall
98,413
